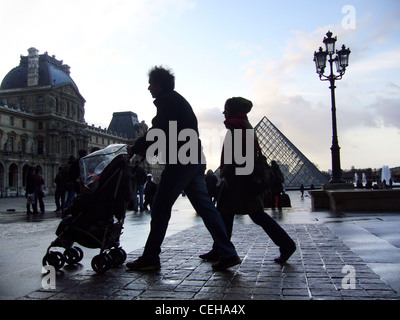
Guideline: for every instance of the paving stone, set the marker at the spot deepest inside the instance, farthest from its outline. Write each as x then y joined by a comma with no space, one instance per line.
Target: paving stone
41,295
193,289
266,297
267,291
181,295
210,296
66,296
295,292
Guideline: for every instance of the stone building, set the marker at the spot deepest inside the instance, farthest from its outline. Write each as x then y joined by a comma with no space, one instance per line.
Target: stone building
42,122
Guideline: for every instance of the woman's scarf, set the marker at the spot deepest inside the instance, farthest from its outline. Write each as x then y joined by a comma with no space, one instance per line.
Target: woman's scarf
238,120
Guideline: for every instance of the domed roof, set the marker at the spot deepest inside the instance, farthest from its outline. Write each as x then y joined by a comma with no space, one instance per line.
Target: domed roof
51,72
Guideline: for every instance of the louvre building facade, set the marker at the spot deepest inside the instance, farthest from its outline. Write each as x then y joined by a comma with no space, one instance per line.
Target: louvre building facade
42,122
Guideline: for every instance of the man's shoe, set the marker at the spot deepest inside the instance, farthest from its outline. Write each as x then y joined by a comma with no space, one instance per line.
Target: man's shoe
210,256
143,264
285,255
224,264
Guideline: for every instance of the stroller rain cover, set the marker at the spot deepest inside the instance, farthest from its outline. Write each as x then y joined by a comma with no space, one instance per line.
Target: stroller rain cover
93,164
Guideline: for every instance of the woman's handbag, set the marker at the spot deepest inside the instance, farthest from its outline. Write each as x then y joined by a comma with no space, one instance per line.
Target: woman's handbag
262,177
43,191
30,198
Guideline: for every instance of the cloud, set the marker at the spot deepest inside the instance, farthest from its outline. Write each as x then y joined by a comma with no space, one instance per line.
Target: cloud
371,148
299,49
212,132
374,62
387,112
210,117
244,48
90,29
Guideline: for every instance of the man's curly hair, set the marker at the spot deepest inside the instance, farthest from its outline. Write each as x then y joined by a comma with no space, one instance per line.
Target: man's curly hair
163,77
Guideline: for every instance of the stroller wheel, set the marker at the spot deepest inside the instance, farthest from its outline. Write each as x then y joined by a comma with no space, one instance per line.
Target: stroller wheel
53,258
123,254
73,255
101,263
80,253
118,256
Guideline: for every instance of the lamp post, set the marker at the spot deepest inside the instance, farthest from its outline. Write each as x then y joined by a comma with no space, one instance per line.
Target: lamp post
341,59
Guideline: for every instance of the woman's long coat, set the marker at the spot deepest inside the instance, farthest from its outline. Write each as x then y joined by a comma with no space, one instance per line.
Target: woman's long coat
236,196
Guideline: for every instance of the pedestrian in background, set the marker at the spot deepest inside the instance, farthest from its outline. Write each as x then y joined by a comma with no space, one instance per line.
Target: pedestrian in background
75,172
69,185
30,191
277,187
150,190
211,183
59,195
39,189
141,177
302,190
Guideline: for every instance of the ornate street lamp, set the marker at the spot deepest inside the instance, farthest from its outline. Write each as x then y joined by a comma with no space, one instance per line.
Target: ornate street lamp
341,60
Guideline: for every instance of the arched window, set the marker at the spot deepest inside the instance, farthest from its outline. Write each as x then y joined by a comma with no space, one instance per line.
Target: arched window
25,170
22,143
12,175
40,149
1,179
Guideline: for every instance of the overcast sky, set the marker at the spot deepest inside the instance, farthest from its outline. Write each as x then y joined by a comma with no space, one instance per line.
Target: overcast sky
261,50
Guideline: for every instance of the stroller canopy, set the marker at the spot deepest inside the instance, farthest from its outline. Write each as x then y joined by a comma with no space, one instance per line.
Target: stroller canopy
93,165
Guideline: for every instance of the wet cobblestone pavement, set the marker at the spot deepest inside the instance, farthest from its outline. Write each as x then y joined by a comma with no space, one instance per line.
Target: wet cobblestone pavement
322,268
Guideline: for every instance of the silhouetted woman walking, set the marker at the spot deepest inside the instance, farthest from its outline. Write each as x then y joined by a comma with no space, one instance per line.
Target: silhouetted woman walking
236,195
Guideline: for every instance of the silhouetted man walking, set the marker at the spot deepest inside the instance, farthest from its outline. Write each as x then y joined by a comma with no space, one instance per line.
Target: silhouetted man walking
175,116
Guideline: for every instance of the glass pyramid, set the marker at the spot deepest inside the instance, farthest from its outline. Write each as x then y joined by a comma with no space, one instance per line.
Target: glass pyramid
296,168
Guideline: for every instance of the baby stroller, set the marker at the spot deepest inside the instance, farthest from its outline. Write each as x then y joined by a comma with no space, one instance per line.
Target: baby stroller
96,216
